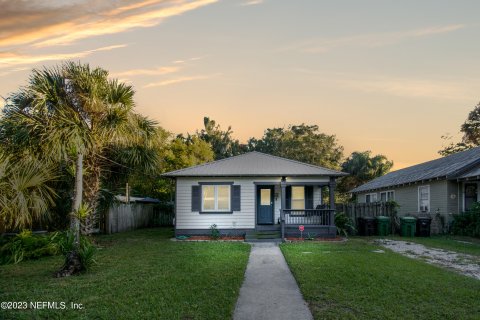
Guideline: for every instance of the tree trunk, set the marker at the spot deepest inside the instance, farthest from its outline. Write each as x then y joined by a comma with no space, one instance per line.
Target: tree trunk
73,263
92,193
77,202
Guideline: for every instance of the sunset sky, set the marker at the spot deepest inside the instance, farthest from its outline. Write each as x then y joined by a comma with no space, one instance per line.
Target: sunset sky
387,76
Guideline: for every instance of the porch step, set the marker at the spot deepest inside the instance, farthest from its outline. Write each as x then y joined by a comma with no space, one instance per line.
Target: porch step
262,236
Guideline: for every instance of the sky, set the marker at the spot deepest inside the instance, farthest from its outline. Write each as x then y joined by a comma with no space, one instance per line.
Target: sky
388,76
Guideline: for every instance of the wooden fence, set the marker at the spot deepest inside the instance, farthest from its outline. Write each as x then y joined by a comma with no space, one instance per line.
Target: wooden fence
125,217
164,216
357,210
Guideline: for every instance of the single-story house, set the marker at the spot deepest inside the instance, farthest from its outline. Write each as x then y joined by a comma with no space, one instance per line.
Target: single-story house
255,192
437,188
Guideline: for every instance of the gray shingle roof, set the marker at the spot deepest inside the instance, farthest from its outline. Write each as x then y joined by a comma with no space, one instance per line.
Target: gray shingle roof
254,164
450,167
474,173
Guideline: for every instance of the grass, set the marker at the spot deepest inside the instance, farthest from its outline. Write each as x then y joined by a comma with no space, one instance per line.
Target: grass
451,243
350,281
139,275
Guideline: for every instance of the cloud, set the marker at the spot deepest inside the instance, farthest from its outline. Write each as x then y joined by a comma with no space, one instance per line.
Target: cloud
371,40
251,2
44,24
414,88
7,72
148,72
8,59
188,60
178,80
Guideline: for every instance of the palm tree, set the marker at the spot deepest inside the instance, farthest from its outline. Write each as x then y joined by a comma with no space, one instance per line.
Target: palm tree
76,113
362,168
24,192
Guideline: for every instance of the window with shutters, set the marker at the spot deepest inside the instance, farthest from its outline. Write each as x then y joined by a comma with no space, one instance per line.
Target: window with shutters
216,198
298,197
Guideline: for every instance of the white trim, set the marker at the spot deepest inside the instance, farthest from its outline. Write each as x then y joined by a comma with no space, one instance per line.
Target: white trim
215,197
418,198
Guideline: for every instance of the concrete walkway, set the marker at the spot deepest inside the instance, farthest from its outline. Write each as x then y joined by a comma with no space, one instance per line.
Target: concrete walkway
269,290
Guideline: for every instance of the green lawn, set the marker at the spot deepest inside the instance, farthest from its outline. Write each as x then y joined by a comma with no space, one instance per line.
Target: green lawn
453,243
350,281
139,275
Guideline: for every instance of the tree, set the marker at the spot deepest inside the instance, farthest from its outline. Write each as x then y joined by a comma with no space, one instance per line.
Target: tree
186,152
178,153
362,168
302,143
222,142
77,114
471,134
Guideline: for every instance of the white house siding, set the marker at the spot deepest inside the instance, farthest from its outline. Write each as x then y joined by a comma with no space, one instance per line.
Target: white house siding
244,219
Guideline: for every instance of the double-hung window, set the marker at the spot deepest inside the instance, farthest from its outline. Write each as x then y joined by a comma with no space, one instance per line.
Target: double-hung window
216,198
387,196
371,197
298,197
424,198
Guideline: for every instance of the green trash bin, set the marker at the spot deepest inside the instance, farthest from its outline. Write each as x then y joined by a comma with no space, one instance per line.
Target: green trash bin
407,226
383,226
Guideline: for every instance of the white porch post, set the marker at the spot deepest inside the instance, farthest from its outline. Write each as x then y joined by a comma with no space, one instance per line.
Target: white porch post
283,185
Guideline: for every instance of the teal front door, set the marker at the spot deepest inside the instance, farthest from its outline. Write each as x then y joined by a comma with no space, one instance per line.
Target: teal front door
265,205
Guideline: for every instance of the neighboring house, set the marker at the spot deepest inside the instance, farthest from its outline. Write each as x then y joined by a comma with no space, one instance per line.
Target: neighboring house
437,188
254,192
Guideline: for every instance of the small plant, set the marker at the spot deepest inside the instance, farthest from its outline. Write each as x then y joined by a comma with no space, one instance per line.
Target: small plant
214,233
86,252
311,236
344,224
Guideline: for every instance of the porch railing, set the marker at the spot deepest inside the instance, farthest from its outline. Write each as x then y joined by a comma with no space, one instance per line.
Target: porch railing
318,217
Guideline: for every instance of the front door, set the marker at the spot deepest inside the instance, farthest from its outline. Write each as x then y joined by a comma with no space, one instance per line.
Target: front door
265,205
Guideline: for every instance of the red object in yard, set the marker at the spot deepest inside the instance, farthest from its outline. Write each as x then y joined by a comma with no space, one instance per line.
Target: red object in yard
301,228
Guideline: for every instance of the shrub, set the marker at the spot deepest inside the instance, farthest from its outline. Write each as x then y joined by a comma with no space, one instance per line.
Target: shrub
344,224
214,233
467,223
86,252
26,245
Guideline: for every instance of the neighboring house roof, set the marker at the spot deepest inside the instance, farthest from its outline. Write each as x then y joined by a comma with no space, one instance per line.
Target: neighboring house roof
456,166
137,199
254,164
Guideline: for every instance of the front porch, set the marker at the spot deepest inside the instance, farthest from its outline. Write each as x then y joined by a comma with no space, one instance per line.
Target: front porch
307,203
318,221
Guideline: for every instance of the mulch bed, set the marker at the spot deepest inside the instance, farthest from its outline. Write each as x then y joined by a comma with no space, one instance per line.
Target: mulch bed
222,238
336,239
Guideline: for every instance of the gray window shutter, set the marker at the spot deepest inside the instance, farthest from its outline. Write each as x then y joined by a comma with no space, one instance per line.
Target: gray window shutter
235,198
196,198
288,197
308,197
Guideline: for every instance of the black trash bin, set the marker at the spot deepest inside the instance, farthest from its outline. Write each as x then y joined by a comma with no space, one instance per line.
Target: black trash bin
423,226
366,226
